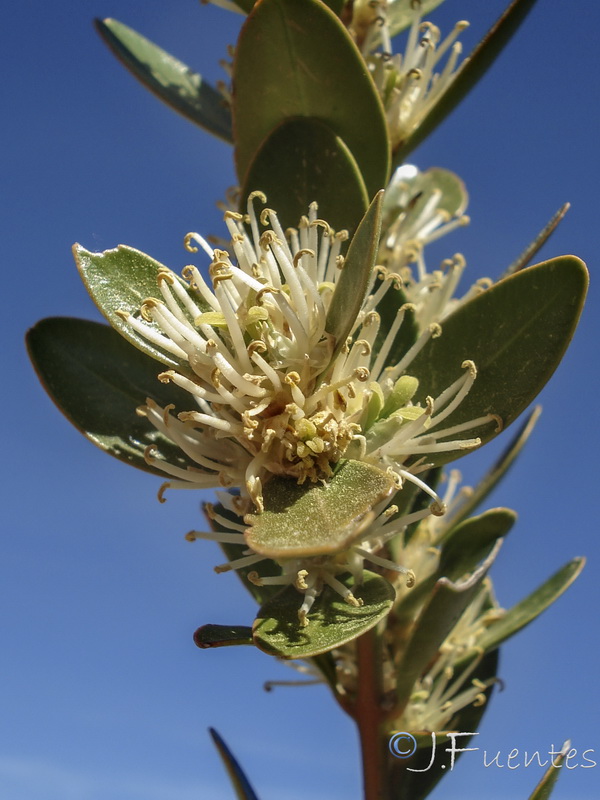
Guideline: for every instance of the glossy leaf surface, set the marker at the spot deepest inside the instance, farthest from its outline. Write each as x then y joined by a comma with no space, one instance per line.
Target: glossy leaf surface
516,333
312,519
210,635
291,59
168,78
97,380
301,161
332,621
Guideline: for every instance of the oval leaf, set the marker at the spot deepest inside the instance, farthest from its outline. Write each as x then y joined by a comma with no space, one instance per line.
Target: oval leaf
98,380
516,333
121,279
301,161
332,622
167,78
291,60
312,520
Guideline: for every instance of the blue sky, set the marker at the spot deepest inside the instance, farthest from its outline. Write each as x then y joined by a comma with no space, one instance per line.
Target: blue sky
103,694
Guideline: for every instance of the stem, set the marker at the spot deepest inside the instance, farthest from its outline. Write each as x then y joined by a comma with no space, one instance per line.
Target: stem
369,716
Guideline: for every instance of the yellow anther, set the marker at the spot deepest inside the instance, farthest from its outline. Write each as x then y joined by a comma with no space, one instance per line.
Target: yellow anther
435,329
165,274
187,243
300,582
411,579
305,251
254,578
470,365
190,536
256,346
161,492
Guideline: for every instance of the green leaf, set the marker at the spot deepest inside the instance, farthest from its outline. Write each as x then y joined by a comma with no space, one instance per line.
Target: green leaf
467,545
310,520
334,5
121,279
301,161
471,541
516,333
222,636
170,80
492,478
545,787
240,782
98,380
332,622
437,619
520,615
352,285
291,59
539,241
472,69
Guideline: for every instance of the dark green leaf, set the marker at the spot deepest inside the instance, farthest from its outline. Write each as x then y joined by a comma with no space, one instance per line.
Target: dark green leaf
466,546
491,479
516,333
520,615
98,380
291,59
334,5
545,787
301,161
437,619
222,636
169,79
312,519
470,542
241,784
473,68
353,283
332,622
120,280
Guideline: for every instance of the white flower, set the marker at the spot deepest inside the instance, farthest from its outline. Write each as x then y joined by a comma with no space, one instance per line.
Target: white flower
270,394
419,208
409,84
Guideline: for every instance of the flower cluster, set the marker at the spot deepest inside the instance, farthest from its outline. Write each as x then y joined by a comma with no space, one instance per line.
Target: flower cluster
272,392
408,84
